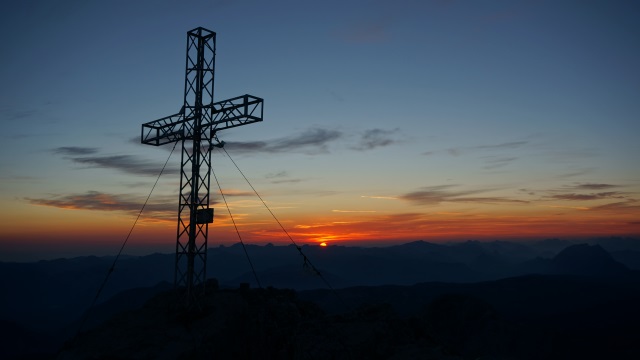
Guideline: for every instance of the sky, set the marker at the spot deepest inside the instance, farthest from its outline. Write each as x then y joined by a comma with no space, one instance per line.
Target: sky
384,121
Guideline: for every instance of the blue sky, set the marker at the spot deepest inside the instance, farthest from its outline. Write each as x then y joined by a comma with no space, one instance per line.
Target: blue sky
438,111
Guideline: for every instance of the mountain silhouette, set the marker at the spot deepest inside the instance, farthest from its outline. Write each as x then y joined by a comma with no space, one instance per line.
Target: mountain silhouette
252,324
530,317
584,259
49,298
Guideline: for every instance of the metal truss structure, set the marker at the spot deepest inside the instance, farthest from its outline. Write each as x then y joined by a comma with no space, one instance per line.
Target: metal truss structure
195,126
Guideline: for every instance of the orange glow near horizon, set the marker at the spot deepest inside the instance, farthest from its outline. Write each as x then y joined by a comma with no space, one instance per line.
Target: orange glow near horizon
66,227
453,226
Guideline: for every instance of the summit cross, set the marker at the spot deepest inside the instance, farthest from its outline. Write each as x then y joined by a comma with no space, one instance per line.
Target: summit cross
195,126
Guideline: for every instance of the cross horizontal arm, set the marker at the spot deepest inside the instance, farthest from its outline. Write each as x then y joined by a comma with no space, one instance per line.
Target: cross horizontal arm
238,111
163,131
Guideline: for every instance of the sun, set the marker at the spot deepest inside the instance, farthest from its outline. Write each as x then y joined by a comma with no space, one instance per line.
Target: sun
323,244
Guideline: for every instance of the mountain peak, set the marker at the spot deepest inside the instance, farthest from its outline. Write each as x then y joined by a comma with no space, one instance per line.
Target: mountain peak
585,259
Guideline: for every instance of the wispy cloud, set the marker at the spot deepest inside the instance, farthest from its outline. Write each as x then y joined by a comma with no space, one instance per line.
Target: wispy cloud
623,203
281,177
592,196
575,173
311,142
498,162
590,186
354,211
316,141
130,164
630,205
100,201
279,174
374,138
433,195
565,207
125,163
501,146
75,150
461,150
379,197
586,192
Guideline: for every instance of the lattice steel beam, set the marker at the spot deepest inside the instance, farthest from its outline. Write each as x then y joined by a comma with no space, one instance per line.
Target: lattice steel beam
195,125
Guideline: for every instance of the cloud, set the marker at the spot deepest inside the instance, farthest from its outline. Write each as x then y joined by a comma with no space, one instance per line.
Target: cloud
498,162
353,211
585,192
576,173
566,207
374,138
280,177
126,163
311,142
75,150
630,205
501,146
589,186
433,195
279,174
457,151
96,200
379,197
315,141
592,196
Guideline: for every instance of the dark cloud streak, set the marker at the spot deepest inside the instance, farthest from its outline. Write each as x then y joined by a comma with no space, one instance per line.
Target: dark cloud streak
433,195
125,163
586,197
507,145
96,200
375,138
457,151
311,142
495,163
588,186
75,150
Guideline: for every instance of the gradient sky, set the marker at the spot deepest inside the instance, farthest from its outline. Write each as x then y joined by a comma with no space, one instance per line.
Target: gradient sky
383,120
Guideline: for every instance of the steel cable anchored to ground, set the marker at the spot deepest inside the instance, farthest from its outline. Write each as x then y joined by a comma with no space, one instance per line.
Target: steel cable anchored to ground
307,262
124,243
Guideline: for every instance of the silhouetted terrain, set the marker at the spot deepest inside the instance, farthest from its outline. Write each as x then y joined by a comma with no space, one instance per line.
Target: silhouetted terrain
253,324
465,299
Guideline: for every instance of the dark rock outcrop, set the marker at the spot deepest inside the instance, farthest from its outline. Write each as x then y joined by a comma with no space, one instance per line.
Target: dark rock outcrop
253,324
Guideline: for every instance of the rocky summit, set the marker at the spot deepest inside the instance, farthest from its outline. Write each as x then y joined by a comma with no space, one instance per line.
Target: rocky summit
253,324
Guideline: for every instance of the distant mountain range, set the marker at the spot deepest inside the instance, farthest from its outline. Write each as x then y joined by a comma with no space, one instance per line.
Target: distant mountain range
45,300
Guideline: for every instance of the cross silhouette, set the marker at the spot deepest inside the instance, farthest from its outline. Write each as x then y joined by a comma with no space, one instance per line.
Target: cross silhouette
195,126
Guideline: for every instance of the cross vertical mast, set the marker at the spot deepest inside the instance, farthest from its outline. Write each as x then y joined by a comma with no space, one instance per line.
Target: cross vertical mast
195,126
193,232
